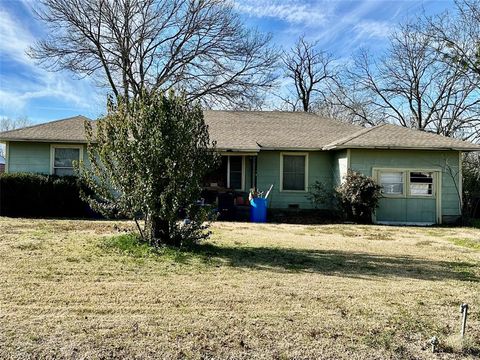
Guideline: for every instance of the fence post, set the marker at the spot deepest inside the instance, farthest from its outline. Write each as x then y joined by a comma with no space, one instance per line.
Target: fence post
464,311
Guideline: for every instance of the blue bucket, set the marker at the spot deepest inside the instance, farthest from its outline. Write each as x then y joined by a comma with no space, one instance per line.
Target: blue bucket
258,211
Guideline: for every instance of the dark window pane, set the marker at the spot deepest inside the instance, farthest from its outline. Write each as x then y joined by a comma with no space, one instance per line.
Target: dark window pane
235,163
236,180
218,177
294,172
65,156
419,177
235,172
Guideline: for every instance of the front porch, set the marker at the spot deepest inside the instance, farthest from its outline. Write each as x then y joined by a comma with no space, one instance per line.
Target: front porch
227,187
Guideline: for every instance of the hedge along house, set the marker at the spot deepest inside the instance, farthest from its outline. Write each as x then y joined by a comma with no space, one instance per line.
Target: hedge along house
420,172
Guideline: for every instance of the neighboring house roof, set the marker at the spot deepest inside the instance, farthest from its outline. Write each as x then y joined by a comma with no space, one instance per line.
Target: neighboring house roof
269,130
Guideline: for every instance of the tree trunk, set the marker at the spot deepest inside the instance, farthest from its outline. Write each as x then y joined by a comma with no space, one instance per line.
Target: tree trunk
159,232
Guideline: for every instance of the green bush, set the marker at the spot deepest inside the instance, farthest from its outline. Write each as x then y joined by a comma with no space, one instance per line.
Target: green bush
320,195
471,185
358,196
35,195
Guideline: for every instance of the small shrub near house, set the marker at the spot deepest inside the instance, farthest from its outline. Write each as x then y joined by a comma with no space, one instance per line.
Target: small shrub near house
356,198
35,195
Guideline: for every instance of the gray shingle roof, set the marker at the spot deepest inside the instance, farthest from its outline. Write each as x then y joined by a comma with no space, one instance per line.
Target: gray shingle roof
69,130
268,130
388,136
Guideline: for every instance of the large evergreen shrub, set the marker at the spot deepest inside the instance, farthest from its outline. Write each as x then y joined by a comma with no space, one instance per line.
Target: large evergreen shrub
36,195
147,159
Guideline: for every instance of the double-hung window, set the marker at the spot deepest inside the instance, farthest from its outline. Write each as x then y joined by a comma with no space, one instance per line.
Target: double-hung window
392,182
421,183
63,158
294,172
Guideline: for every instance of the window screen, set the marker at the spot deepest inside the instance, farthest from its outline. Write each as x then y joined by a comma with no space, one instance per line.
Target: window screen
392,182
63,161
293,172
421,183
235,172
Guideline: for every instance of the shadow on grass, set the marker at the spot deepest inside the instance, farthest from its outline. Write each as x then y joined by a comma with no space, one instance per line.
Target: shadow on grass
291,260
333,262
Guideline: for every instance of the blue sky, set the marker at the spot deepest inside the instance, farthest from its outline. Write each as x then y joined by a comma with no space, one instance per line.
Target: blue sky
340,26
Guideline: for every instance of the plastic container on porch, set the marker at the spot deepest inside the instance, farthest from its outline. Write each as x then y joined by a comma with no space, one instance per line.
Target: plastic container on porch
258,211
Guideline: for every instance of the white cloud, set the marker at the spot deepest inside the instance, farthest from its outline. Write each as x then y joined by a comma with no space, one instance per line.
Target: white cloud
294,12
373,29
28,82
14,41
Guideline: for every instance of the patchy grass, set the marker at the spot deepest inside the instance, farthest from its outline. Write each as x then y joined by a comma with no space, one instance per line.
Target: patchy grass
466,242
88,289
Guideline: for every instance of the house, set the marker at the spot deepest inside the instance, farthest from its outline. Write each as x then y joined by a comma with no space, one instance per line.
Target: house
420,172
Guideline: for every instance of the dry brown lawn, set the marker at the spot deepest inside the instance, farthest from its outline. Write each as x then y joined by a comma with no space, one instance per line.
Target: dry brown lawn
81,289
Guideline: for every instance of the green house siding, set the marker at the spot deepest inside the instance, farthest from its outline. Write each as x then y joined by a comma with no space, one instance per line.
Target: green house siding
268,172
327,167
31,157
414,209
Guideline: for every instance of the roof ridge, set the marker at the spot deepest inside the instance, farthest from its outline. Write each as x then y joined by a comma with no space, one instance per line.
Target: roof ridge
298,113
350,137
43,124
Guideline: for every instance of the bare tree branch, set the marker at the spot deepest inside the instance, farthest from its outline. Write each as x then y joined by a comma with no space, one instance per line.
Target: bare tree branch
309,71
201,47
413,86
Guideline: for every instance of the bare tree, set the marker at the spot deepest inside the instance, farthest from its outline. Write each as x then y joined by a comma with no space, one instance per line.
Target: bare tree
414,87
7,124
460,32
309,71
199,46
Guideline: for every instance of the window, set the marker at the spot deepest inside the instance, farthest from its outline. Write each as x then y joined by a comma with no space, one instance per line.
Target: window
294,172
391,182
229,174
421,183
63,158
236,166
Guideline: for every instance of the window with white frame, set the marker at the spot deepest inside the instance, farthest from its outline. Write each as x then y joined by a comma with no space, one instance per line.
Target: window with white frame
421,183
294,172
392,182
63,158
